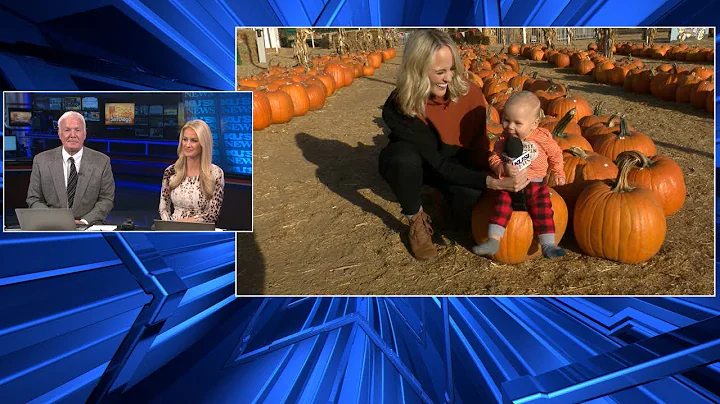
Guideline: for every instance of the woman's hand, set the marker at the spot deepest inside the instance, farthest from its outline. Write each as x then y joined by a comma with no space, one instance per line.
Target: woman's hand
187,219
512,184
510,170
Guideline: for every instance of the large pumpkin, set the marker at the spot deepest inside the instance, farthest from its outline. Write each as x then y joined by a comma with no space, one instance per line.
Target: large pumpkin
298,94
316,94
337,72
698,95
561,106
519,242
615,221
281,106
584,66
664,85
262,111
659,174
581,167
612,144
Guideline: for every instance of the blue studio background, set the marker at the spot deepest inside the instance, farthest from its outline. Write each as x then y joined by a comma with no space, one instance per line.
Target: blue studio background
153,317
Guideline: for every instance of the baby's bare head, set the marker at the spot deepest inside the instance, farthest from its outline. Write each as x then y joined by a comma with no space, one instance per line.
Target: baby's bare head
523,103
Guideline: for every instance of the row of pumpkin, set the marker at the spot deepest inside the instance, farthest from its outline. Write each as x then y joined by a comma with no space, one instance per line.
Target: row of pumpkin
667,81
280,94
679,51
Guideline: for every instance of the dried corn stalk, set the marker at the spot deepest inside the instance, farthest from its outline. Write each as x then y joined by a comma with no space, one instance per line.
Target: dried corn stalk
651,33
301,48
551,35
606,41
342,42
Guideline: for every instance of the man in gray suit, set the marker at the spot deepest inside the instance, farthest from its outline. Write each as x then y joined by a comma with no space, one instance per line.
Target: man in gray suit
73,176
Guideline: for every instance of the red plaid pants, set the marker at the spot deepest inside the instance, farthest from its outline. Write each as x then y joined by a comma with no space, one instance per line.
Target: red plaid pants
537,200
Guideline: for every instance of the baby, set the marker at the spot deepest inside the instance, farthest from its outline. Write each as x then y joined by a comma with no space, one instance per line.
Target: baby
520,120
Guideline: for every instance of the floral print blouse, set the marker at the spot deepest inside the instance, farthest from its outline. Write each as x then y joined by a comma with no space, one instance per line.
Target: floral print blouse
187,200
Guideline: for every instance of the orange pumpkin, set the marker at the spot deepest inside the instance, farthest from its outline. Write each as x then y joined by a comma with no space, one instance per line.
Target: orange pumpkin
584,66
612,144
299,96
642,80
547,96
562,60
262,112
698,95
581,167
519,242
316,94
660,174
281,106
686,85
664,85
337,72
615,221
329,82
562,105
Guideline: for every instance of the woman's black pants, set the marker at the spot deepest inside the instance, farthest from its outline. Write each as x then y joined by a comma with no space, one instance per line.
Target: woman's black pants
404,169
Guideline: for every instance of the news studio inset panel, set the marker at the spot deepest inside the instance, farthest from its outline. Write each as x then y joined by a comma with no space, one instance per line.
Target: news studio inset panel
135,170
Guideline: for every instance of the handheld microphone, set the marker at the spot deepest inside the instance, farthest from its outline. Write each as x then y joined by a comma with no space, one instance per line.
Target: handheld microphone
514,150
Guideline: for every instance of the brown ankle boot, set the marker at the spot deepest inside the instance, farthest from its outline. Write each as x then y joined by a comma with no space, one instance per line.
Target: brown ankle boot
421,233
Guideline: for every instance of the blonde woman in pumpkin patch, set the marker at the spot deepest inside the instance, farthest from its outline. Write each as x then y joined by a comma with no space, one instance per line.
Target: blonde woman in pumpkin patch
193,187
436,119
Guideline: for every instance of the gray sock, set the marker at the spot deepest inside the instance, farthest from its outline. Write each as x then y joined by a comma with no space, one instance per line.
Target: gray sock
490,247
549,249
552,251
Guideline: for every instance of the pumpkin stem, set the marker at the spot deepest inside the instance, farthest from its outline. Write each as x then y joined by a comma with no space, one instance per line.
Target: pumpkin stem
559,130
577,152
625,165
489,114
598,109
639,159
624,130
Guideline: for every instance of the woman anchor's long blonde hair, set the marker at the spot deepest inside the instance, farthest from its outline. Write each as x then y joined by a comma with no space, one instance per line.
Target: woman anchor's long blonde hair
413,85
207,182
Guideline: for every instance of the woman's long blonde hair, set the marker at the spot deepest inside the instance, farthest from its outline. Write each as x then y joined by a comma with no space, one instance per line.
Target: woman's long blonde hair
207,181
413,84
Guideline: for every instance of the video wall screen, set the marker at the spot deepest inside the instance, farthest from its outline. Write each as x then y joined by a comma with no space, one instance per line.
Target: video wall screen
109,115
155,118
229,116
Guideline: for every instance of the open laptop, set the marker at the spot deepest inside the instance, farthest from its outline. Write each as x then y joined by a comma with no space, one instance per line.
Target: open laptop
169,225
60,219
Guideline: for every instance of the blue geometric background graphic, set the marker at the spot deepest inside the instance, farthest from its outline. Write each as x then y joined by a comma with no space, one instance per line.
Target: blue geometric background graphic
144,317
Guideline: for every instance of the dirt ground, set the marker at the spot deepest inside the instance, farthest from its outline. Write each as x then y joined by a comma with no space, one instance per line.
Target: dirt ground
325,222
